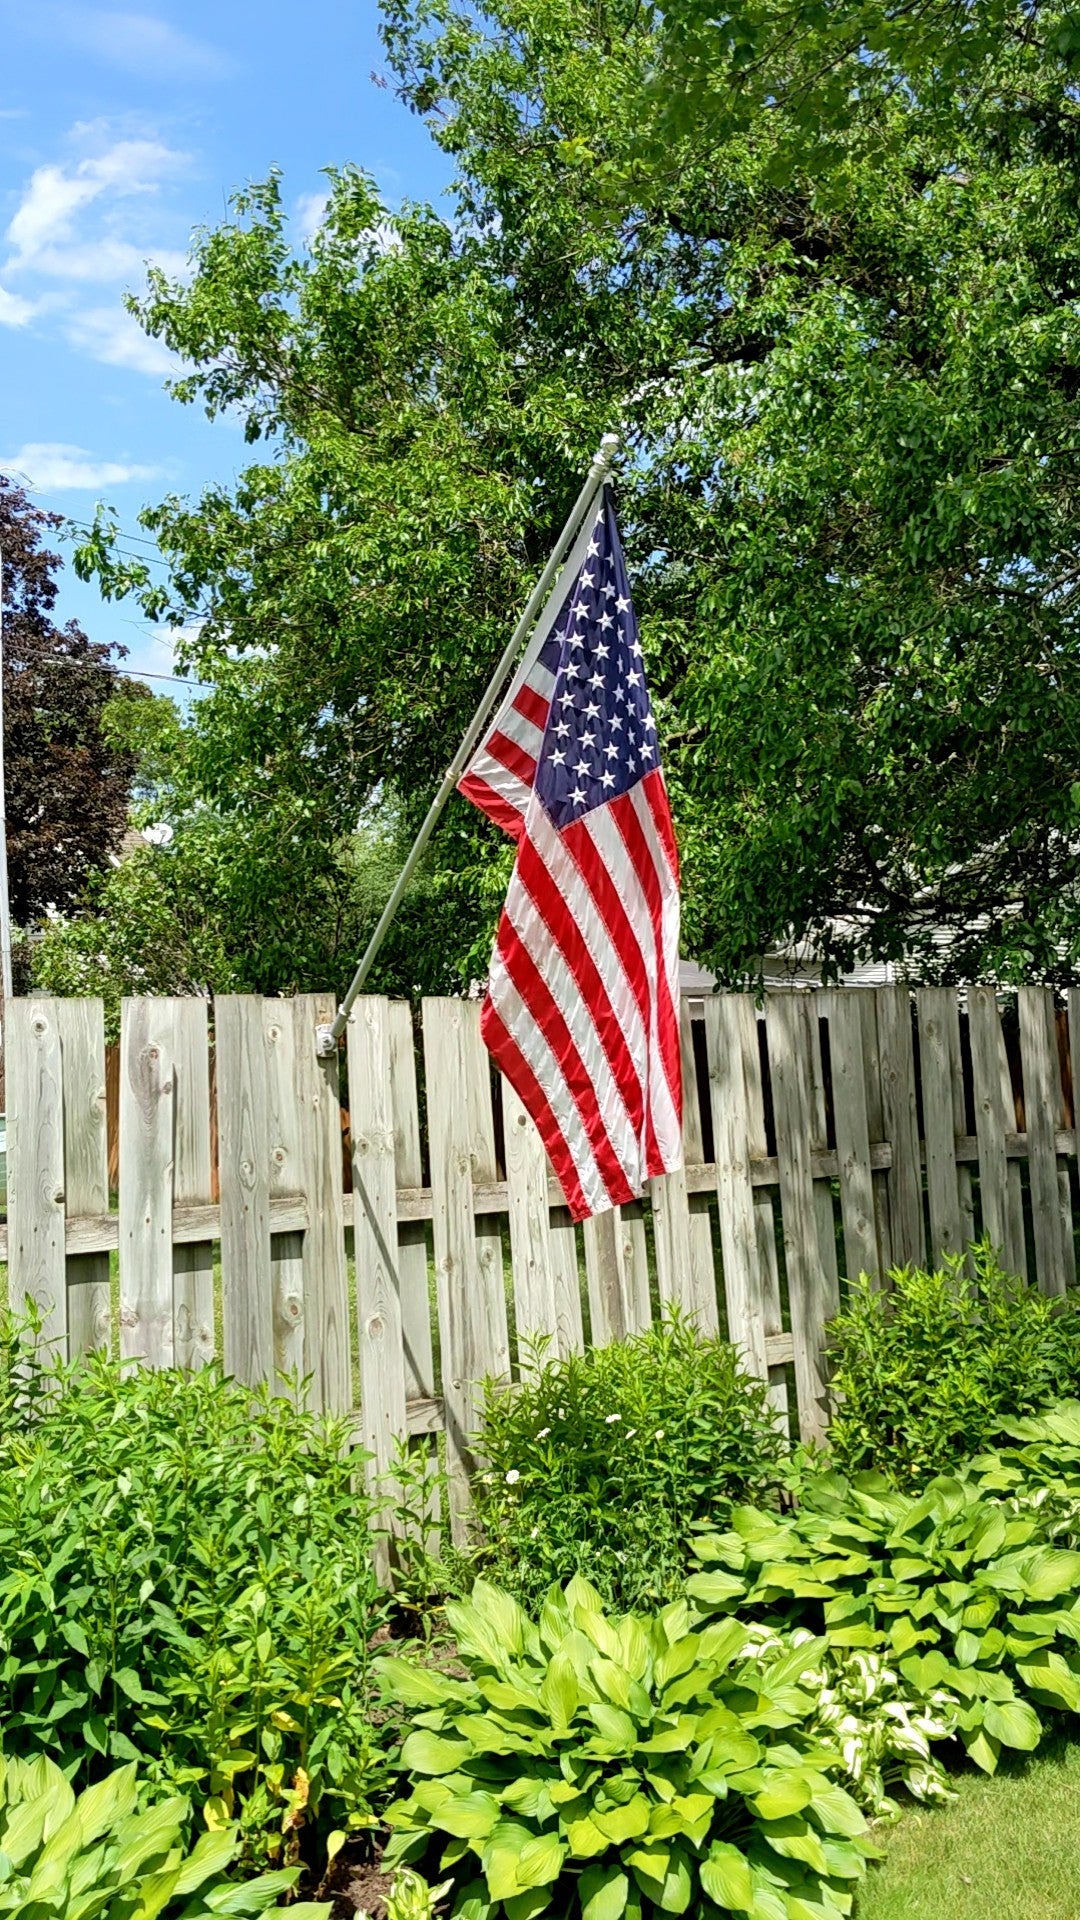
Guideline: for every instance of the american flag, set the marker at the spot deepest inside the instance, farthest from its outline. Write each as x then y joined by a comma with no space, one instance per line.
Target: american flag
581,1007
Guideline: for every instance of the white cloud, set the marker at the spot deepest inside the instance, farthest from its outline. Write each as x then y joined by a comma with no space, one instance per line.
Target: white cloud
138,43
14,312
94,220
52,467
44,220
110,334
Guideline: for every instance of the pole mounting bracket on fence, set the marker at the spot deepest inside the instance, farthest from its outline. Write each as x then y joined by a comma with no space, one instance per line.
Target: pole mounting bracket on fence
327,1037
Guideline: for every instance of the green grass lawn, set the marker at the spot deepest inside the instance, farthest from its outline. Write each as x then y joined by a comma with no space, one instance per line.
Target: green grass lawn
1007,1849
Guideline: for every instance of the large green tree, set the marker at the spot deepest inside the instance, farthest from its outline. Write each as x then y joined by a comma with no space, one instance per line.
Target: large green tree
848,375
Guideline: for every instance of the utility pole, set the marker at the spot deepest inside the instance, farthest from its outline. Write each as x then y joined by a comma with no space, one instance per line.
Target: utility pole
5,904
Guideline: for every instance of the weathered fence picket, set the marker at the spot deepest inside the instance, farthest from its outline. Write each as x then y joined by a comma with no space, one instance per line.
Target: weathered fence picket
825,1135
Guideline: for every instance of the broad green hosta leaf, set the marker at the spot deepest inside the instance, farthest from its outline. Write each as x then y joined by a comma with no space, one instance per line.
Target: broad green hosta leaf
615,1728
782,1794
417,1686
603,1893
560,1692
1014,1723
725,1876
663,1874
715,1589
426,1752
1051,1572
628,1822
795,1839
472,1816
1051,1681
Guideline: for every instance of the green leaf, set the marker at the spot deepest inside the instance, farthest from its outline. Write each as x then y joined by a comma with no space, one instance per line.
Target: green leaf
1051,1681
501,1857
472,1903
794,1839
716,1589
540,1860
782,1794
623,1823
615,1728
470,1816
581,1593
602,1892
584,1838
725,1876
1050,1572
836,1811
560,1694
418,1686
526,1906
1014,1723
425,1752
982,1750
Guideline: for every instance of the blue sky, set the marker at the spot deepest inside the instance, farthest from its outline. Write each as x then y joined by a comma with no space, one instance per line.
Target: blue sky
121,131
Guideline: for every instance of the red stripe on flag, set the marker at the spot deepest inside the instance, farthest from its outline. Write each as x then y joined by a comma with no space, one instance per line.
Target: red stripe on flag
493,803
532,706
655,792
511,756
510,1060
551,1021
570,942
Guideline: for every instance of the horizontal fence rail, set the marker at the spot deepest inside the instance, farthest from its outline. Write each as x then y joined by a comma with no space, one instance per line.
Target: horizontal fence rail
188,1196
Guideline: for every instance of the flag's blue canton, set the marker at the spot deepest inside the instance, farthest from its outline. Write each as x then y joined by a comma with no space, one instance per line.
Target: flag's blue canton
600,737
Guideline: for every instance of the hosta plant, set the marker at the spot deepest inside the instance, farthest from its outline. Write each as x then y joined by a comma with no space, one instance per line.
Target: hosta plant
96,1856
864,1707
959,1588
609,1766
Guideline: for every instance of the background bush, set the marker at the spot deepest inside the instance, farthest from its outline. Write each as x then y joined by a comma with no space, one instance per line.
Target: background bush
926,1372
600,1464
186,1581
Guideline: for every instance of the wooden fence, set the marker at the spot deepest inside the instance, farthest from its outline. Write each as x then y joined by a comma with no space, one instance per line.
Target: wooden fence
826,1134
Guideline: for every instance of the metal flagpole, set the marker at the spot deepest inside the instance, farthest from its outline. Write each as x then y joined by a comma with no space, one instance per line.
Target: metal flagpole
5,907
326,1038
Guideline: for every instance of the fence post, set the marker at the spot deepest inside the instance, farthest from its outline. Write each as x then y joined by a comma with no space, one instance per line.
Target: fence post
812,1289
36,1211
146,1177
81,1025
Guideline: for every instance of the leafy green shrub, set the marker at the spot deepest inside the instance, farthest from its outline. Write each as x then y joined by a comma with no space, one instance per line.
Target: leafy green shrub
926,1371
64,1857
964,1591
186,1581
608,1766
601,1463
